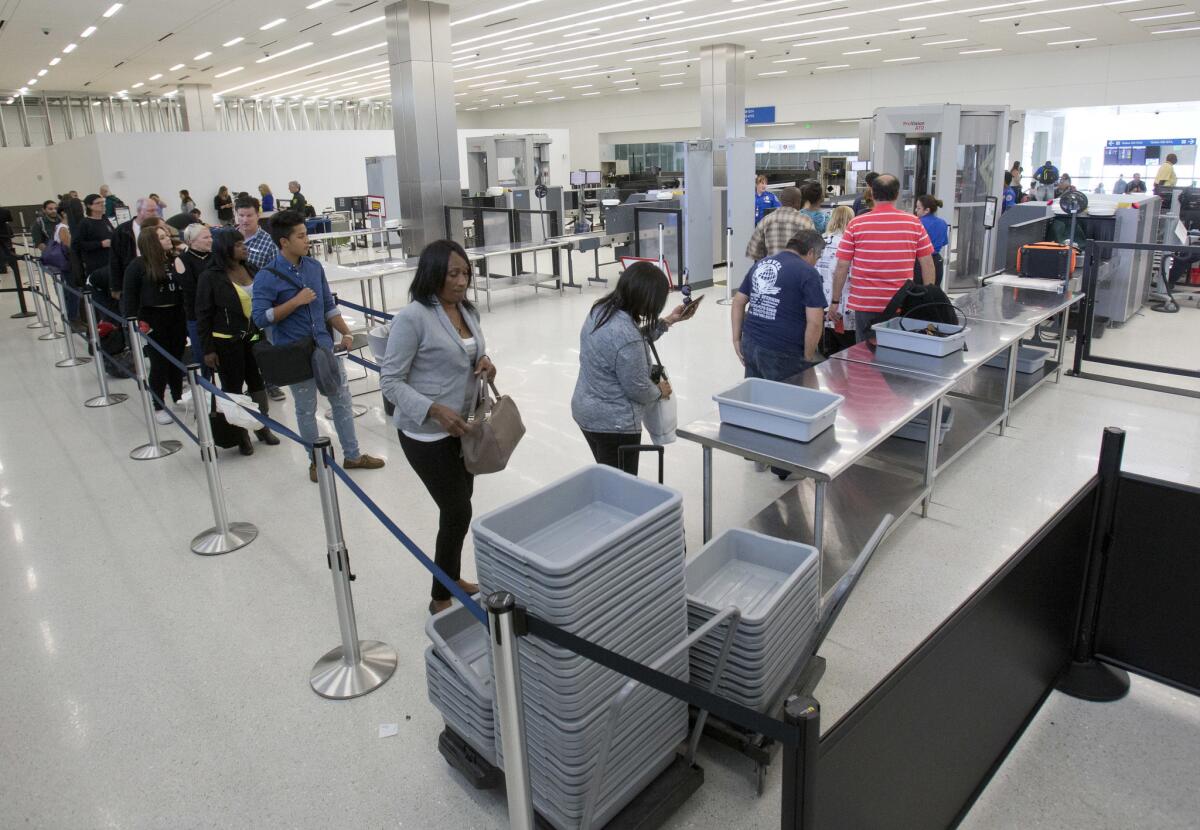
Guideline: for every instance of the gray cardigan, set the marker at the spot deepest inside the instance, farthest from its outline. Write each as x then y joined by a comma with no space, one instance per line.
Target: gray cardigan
614,383
427,363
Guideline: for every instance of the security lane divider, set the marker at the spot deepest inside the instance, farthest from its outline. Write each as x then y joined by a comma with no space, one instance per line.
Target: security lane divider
353,358
225,536
20,290
47,305
105,398
38,309
369,312
155,448
72,359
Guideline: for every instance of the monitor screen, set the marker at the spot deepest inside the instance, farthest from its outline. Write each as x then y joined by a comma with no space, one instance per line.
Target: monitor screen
577,178
593,177
860,165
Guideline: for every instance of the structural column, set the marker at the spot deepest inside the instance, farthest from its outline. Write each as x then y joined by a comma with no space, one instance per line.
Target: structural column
723,91
196,106
423,120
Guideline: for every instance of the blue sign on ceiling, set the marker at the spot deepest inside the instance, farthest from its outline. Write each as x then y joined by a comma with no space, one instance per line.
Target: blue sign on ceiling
760,115
1130,142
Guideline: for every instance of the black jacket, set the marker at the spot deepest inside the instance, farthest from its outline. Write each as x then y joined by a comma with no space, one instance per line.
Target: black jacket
180,221
218,307
142,290
193,265
298,203
224,207
43,230
88,239
123,250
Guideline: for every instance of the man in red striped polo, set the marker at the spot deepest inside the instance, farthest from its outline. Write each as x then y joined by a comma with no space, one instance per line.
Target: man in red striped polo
877,251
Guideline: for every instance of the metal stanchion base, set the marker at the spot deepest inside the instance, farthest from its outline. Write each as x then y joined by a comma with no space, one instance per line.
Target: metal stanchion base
332,678
162,449
20,315
72,361
724,302
38,325
358,409
50,335
106,400
213,542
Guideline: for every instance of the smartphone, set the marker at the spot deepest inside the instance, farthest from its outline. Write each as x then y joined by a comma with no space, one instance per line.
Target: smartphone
690,311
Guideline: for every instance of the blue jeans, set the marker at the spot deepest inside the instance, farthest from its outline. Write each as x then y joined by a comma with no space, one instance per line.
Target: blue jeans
305,397
197,354
770,364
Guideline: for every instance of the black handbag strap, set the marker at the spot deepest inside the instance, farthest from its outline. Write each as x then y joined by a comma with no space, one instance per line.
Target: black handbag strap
657,360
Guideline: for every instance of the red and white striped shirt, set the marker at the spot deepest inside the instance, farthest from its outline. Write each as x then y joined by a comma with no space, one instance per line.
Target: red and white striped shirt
882,247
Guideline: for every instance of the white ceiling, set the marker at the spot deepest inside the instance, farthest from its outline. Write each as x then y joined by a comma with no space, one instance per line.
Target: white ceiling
508,53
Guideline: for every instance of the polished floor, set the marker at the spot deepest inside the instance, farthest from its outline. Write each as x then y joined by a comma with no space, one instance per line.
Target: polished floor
146,687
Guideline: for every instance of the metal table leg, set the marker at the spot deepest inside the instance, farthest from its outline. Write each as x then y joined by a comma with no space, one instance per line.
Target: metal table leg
819,528
931,453
1062,343
1010,382
708,492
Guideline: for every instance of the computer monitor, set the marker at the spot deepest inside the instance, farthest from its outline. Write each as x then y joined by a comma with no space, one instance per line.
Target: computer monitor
578,178
593,177
859,166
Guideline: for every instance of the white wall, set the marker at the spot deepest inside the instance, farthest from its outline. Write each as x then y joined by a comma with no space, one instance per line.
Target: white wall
1063,78
25,176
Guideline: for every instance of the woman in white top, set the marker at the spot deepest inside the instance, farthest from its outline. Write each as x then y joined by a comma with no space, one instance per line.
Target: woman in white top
435,357
833,340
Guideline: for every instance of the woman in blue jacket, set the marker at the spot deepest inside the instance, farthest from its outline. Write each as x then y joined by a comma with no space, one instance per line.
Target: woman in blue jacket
764,199
938,230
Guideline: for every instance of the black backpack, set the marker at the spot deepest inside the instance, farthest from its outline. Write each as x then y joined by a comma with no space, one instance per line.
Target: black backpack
920,302
1049,174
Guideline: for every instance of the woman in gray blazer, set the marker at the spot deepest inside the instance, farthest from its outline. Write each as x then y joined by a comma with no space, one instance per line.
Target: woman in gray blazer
435,356
614,385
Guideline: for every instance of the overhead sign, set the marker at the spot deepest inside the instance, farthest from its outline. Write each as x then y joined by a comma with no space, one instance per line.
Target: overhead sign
760,115
1152,142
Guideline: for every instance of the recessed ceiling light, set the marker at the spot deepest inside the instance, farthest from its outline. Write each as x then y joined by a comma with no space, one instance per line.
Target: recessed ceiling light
516,46
789,60
31,81
528,101
176,67
456,95
514,95
1172,31
629,89
583,86
1047,29
556,98
233,42
202,56
773,72
88,32
122,92
42,72
275,55
628,80
657,57
862,51
834,66
944,42
901,60
579,32
156,77
499,10
229,72
1065,42
277,21
55,61
1159,16
1063,10
113,9
542,91
650,17
980,51
586,94
69,48
673,83
677,60
357,26
673,74
135,86
317,4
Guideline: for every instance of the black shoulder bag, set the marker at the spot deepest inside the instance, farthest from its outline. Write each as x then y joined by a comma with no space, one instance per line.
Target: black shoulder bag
287,363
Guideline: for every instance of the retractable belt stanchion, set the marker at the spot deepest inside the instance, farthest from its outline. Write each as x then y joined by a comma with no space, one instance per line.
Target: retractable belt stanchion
72,359
39,305
510,709
661,256
225,536
24,312
356,666
728,268
54,333
105,398
156,448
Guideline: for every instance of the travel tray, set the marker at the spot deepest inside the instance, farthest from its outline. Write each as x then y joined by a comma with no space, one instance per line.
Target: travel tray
794,412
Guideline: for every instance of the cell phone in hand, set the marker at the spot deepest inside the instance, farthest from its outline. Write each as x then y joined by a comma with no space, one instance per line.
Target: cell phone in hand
690,310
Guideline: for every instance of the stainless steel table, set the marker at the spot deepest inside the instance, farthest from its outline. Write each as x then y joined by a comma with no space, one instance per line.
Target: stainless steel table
836,464
515,250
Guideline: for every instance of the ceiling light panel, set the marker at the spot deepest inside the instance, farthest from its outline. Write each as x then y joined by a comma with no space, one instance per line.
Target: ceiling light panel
1023,15
1075,40
1047,29
276,22
358,26
275,55
88,32
229,72
113,9
233,42
595,12
1160,16
372,48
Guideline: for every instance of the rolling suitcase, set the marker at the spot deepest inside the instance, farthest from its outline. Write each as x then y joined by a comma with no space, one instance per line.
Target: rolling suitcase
1046,260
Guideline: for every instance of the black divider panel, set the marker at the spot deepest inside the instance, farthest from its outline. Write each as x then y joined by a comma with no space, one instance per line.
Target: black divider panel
1150,605
918,749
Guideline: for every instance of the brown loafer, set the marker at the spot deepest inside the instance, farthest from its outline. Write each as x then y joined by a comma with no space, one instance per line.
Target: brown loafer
312,473
363,462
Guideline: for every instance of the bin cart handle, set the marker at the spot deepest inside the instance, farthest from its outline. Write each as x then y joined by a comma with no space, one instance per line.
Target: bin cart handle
730,613
621,451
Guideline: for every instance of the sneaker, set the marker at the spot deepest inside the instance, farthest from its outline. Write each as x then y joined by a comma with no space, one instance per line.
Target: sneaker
161,416
363,462
276,393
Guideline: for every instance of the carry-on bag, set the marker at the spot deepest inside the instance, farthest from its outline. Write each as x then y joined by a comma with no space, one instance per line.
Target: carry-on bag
1046,260
495,430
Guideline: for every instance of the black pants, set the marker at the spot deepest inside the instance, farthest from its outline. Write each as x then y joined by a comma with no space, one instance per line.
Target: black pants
237,366
439,464
168,328
604,446
939,269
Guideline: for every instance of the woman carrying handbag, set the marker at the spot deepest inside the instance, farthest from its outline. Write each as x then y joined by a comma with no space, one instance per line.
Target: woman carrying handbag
435,358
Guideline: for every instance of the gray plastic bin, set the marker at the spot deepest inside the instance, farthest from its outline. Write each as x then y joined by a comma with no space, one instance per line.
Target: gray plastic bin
1030,359
782,409
906,334
918,428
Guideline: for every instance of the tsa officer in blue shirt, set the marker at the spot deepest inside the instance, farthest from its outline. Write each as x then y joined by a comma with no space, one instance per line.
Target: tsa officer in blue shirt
763,199
938,230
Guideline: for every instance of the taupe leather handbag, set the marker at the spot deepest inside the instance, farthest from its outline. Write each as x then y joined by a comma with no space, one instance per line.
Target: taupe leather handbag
495,430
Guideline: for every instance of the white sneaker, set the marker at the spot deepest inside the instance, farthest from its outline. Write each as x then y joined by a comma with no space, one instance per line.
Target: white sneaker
163,417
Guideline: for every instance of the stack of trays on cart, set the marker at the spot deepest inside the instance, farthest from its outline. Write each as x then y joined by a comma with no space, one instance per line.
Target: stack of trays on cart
458,674
774,583
600,554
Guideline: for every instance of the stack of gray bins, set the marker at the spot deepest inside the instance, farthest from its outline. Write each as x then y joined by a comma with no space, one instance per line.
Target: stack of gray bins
600,554
775,585
458,674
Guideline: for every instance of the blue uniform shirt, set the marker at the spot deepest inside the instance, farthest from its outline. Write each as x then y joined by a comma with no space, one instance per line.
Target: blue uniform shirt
938,230
781,288
764,201
1010,199
271,290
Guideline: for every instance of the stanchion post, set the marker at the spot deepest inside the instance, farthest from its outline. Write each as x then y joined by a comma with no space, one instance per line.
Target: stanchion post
24,312
728,300
72,358
660,246
225,536
156,448
54,333
105,398
38,300
1086,677
510,709
799,808
356,666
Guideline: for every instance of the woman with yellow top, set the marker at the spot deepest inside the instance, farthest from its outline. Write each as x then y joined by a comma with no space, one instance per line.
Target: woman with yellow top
223,297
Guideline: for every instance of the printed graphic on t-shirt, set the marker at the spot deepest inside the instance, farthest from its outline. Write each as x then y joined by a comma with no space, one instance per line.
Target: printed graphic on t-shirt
764,299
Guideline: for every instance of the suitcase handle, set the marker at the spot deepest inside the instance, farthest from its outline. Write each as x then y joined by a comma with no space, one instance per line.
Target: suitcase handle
640,448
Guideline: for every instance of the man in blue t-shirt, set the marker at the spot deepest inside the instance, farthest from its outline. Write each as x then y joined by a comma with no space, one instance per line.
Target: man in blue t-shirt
778,313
